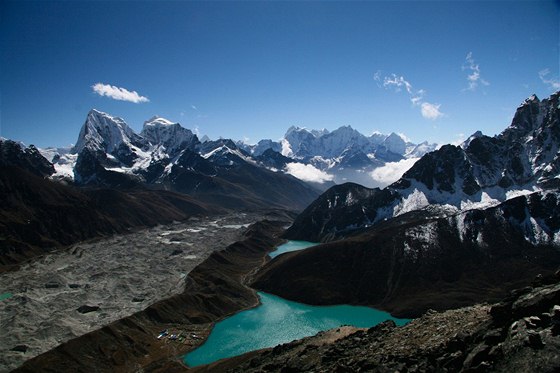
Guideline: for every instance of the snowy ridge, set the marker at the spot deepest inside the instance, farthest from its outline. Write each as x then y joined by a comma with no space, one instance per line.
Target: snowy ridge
343,154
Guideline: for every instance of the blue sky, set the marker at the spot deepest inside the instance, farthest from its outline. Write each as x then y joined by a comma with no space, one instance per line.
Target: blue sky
249,70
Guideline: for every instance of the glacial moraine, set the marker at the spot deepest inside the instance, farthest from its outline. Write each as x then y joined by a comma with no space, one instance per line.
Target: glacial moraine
115,277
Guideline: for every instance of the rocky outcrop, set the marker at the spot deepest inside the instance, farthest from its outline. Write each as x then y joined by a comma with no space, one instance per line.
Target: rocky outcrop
341,210
520,334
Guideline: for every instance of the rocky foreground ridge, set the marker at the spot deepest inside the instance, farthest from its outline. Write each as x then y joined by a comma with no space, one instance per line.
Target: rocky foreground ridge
519,334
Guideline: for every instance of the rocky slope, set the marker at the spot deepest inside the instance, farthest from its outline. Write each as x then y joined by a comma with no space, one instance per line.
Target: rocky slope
13,154
519,334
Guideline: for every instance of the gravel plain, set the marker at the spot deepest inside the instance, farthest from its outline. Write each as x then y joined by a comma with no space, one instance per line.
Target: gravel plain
81,288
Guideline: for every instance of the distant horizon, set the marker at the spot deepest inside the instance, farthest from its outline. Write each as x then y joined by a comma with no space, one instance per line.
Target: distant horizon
433,71
202,135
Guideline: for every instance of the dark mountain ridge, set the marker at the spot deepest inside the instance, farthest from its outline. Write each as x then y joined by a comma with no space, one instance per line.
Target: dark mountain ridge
415,262
38,215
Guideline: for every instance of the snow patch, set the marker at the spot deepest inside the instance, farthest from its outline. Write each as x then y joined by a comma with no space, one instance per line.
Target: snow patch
423,238
414,201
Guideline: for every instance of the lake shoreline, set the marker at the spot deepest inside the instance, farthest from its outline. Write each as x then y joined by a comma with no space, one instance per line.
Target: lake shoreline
278,321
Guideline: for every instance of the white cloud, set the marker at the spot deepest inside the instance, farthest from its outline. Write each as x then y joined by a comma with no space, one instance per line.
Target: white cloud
117,93
307,172
474,79
553,82
391,171
428,110
431,111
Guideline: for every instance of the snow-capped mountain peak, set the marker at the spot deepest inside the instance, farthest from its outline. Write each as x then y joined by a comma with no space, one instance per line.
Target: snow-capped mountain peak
161,132
158,121
105,133
395,144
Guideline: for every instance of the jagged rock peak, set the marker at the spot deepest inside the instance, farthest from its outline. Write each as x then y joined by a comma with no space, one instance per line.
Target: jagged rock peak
16,154
103,132
468,141
529,100
532,114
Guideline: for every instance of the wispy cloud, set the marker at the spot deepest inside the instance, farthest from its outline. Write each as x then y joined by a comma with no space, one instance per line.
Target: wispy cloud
398,83
474,79
117,93
552,82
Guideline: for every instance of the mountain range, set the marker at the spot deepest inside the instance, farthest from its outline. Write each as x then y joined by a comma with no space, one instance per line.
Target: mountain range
480,173
162,152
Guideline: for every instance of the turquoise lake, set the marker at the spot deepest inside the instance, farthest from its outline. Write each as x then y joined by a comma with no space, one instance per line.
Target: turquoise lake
5,296
278,321
291,246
